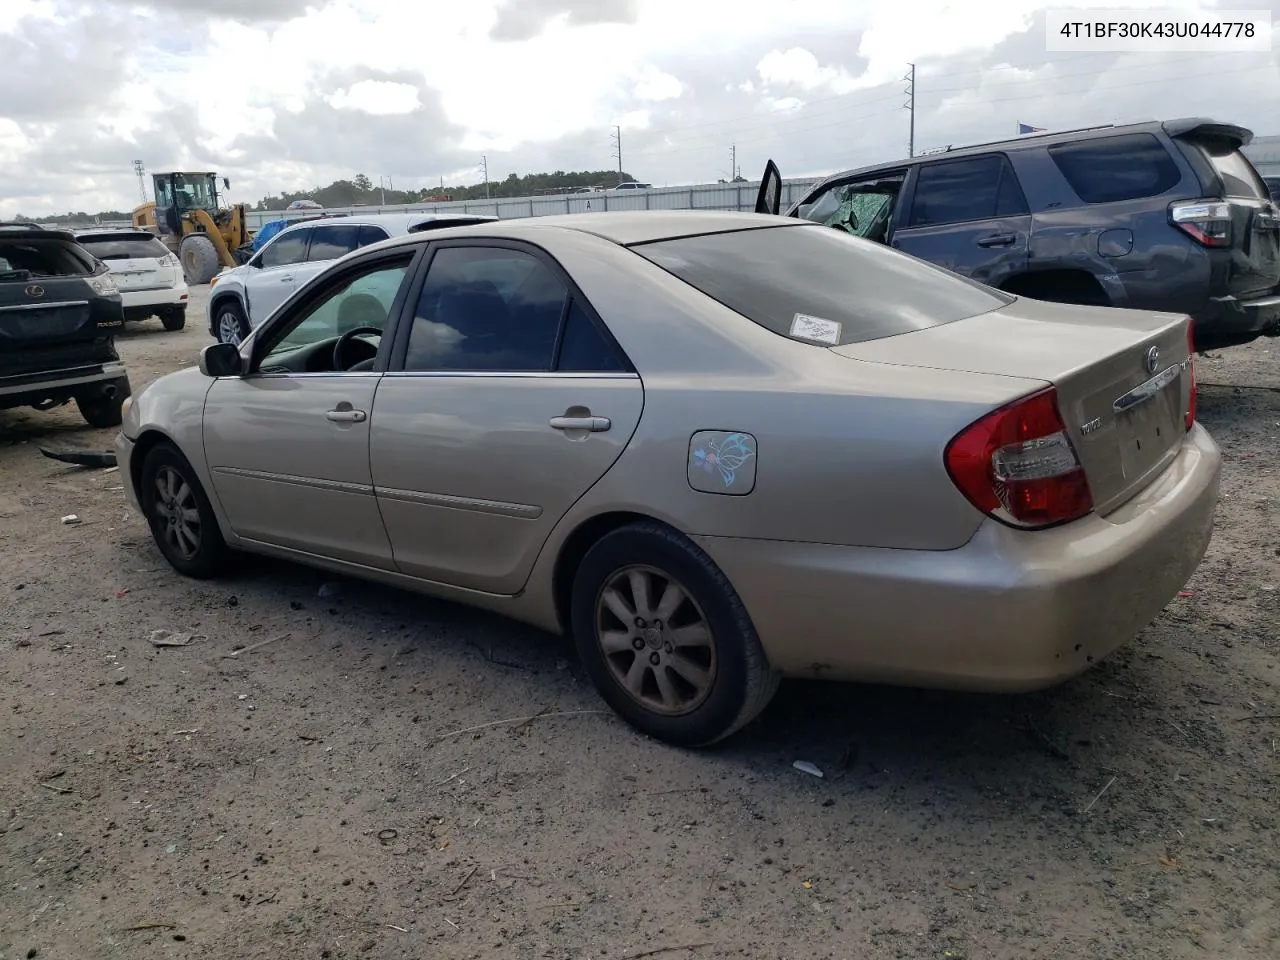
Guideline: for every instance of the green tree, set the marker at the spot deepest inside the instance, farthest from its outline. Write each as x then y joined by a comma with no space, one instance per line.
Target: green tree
362,182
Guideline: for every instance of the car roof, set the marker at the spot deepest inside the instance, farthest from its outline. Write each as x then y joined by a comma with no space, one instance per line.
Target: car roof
624,227
33,231
399,222
1174,128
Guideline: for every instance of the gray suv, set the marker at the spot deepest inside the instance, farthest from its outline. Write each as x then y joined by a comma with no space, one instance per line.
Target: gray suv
1156,216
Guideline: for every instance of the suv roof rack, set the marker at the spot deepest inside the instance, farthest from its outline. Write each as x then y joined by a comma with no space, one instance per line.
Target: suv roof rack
1026,136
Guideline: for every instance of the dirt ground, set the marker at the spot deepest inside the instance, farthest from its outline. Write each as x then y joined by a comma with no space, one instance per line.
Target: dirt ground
355,782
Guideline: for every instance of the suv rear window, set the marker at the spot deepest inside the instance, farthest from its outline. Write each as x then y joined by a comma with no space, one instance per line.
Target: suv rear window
133,247
1112,169
785,277
1239,176
25,259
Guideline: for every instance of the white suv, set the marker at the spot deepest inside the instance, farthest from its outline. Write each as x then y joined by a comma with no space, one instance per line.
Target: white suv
148,275
242,297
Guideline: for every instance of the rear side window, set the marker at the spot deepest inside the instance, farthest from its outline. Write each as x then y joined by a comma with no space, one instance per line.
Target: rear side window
1113,169
124,248
330,243
1239,176
818,285
28,259
371,234
956,191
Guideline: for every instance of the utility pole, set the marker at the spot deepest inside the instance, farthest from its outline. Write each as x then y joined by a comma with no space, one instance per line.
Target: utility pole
142,180
382,190
910,105
484,165
616,136
733,162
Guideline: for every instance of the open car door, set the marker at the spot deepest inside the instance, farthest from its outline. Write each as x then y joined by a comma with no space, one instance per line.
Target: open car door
769,199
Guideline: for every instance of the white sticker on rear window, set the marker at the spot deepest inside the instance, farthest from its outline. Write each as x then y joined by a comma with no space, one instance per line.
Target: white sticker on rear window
815,328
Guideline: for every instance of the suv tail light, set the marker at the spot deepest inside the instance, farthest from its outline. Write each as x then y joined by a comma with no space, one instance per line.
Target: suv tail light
1191,369
1205,221
1018,465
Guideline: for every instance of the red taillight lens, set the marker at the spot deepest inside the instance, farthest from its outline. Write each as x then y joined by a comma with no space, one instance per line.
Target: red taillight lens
1018,464
1191,371
1207,222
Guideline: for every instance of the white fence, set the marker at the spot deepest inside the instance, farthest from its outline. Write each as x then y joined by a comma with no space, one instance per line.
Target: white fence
712,196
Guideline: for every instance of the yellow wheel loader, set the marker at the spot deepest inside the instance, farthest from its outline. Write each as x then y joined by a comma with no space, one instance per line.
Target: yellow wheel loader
188,219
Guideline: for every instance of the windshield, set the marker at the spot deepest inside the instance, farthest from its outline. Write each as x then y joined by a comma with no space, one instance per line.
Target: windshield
129,247
193,191
819,285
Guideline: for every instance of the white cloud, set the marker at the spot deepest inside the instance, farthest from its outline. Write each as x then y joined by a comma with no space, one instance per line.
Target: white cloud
420,91
378,97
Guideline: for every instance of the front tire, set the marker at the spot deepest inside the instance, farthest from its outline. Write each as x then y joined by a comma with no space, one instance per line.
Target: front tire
101,405
199,258
229,323
666,639
179,514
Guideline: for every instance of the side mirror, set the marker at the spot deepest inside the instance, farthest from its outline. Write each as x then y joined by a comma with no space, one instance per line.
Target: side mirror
221,360
769,199
226,183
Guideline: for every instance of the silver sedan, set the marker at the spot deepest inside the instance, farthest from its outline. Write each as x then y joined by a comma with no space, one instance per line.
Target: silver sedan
717,449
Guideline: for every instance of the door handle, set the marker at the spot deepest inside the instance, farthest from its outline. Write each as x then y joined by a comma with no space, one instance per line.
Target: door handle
996,240
288,279
347,416
592,424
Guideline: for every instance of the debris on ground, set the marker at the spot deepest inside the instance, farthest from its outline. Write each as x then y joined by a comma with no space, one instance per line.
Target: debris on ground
81,458
804,766
70,518
168,638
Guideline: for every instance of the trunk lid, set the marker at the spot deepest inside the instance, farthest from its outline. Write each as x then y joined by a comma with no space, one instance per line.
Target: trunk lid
42,310
1124,414
134,274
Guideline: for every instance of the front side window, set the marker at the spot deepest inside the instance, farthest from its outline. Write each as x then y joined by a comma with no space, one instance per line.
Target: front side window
360,300
486,308
286,249
862,209
821,286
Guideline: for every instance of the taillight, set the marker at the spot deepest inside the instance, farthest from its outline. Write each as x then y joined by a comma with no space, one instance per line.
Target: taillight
1018,465
1191,371
1207,221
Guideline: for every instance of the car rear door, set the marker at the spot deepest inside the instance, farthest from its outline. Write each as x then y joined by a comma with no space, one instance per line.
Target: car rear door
506,400
272,279
969,215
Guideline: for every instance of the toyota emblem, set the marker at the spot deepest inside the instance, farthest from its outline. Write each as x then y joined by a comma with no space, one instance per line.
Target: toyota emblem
1153,359
35,290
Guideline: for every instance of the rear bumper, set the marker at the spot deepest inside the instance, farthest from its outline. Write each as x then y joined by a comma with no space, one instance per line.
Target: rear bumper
1009,611
139,304
1227,321
15,389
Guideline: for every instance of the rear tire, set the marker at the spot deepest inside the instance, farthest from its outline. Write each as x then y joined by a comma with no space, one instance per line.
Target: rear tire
99,410
199,258
686,668
174,318
230,325
179,514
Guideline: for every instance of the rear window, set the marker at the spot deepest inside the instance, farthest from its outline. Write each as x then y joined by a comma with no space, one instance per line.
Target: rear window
26,259
1239,176
1113,169
124,248
818,285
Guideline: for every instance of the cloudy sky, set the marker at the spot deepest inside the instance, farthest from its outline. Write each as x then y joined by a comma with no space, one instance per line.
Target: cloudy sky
288,94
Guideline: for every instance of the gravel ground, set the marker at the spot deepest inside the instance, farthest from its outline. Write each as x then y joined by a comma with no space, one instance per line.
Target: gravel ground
355,782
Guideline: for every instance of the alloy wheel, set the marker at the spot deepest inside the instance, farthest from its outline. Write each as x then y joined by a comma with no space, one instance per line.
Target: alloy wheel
177,513
656,640
229,328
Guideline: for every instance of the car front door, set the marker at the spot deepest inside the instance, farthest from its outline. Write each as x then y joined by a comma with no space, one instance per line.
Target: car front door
288,443
505,401
968,215
270,280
